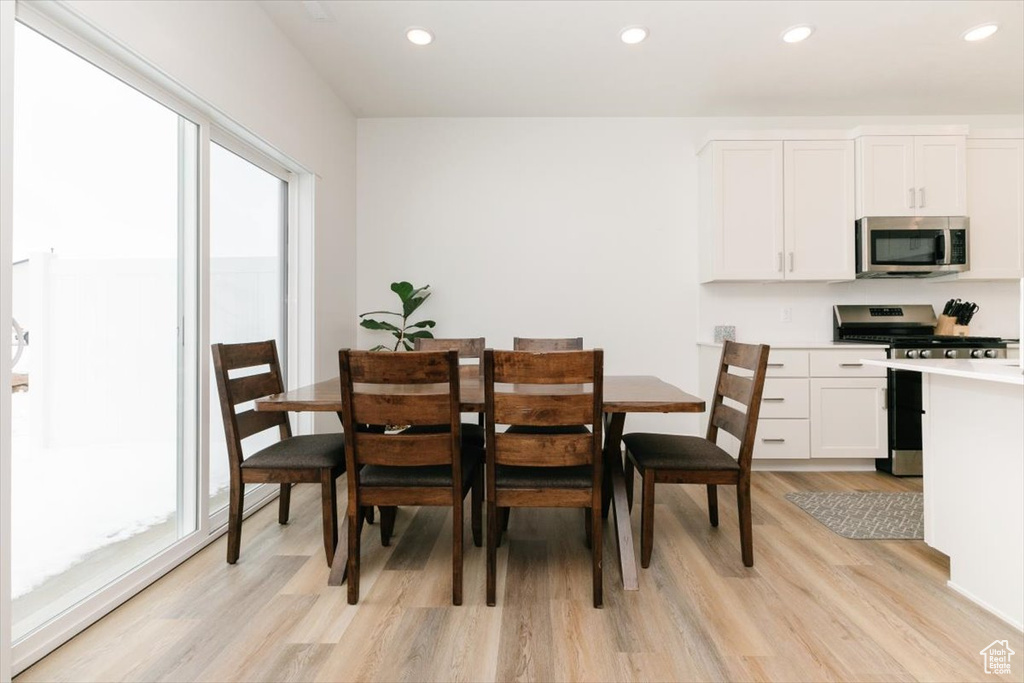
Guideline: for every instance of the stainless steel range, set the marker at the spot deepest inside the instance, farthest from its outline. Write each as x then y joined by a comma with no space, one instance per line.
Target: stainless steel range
908,332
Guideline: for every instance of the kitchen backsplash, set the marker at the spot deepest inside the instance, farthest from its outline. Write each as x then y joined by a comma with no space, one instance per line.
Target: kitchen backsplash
758,309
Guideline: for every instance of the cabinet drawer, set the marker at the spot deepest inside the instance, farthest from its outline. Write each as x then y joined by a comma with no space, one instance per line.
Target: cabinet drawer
846,363
787,363
782,439
785,397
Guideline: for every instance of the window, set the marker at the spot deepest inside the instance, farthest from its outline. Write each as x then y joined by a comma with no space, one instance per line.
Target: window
104,473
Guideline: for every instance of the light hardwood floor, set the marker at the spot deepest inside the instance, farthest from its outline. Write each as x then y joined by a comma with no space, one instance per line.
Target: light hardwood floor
814,607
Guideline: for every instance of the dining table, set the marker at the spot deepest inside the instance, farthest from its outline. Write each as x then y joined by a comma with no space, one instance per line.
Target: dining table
623,394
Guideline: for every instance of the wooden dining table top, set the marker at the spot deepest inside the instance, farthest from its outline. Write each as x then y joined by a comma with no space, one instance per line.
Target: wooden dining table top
622,394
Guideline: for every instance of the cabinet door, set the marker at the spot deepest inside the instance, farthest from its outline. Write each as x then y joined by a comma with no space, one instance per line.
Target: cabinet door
819,210
848,418
940,175
995,200
747,222
885,176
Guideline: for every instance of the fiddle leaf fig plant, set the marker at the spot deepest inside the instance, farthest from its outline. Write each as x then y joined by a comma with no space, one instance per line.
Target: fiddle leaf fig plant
404,332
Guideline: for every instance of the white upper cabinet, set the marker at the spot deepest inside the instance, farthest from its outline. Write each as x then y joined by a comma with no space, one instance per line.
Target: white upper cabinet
741,211
995,203
885,178
906,175
819,209
940,172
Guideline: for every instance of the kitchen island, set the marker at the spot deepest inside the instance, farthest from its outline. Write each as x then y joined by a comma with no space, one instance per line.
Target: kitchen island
973,429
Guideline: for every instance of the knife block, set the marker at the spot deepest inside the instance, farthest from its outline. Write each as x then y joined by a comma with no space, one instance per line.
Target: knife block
946,325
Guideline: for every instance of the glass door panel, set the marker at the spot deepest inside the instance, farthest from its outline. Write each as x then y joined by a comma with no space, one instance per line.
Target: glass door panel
248,221
104,197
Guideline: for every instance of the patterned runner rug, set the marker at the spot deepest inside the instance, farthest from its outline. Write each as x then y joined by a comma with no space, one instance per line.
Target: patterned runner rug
860,515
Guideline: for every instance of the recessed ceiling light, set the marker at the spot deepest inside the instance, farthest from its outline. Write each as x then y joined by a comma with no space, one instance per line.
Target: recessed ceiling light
980,32
631,35
419,36
794,34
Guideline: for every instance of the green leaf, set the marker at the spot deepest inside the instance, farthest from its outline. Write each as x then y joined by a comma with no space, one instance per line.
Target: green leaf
413,302
380,347
403,289
422,334
422,323
372,324
408,346
363,315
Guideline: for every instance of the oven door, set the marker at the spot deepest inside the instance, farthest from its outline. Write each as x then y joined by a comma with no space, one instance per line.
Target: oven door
904,424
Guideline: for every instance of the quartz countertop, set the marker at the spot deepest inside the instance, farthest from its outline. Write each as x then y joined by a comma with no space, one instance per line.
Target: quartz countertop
993,370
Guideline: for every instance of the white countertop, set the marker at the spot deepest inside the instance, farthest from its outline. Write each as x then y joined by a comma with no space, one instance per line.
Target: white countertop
994,370
801,345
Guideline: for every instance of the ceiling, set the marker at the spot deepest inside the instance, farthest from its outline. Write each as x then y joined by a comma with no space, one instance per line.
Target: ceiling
564,58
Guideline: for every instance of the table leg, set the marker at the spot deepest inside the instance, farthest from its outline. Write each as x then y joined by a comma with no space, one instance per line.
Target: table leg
617,485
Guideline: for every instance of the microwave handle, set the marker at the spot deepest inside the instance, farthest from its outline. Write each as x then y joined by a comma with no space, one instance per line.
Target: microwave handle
943,251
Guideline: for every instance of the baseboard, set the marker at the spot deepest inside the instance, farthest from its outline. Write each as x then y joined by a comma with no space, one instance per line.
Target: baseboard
987,607
818,465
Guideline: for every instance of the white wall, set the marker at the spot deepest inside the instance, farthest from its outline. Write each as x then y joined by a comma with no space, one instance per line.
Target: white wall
565,227
232,56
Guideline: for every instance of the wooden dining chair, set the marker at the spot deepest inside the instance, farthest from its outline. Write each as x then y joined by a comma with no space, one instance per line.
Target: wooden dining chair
547,343
670,458
534,469
315,458
430,466
471,348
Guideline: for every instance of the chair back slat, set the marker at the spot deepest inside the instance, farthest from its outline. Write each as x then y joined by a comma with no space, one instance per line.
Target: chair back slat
403,409
735,387
251,387
472,347
746,391
547,343
551,450
543,409
248,355
408,367
401,449
552,389
233,392
554,367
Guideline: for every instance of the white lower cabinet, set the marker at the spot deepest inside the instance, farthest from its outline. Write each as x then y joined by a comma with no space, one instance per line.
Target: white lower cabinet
848,417
782,440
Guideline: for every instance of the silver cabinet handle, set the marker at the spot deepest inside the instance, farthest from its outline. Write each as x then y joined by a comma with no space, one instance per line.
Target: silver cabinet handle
791,262
773,440
776,365
885,399
779,262
851,365
913,202
921,205
773,400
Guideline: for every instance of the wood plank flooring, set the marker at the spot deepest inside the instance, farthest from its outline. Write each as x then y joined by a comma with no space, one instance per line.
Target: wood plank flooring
815,607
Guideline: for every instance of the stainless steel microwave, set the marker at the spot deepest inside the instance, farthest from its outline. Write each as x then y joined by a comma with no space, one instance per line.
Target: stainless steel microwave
911,246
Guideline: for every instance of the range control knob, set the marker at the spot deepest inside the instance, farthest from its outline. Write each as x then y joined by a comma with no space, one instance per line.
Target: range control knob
976,353
926,353
950,353
911,353
990,353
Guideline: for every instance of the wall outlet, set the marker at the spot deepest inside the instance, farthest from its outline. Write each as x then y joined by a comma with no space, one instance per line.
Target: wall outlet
787,314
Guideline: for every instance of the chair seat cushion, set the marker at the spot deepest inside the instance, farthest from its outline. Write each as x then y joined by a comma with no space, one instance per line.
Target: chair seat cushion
313,451
423,476
514,477
544,429
675,452
472,434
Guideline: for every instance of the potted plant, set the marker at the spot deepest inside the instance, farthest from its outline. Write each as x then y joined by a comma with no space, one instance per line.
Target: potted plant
405,333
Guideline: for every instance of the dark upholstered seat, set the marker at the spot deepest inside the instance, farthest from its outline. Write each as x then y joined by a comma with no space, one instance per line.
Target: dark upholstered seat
427,475
512,477
674,452
313,450
547,429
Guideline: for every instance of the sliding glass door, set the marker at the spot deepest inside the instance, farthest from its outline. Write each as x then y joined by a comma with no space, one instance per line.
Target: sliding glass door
104,455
